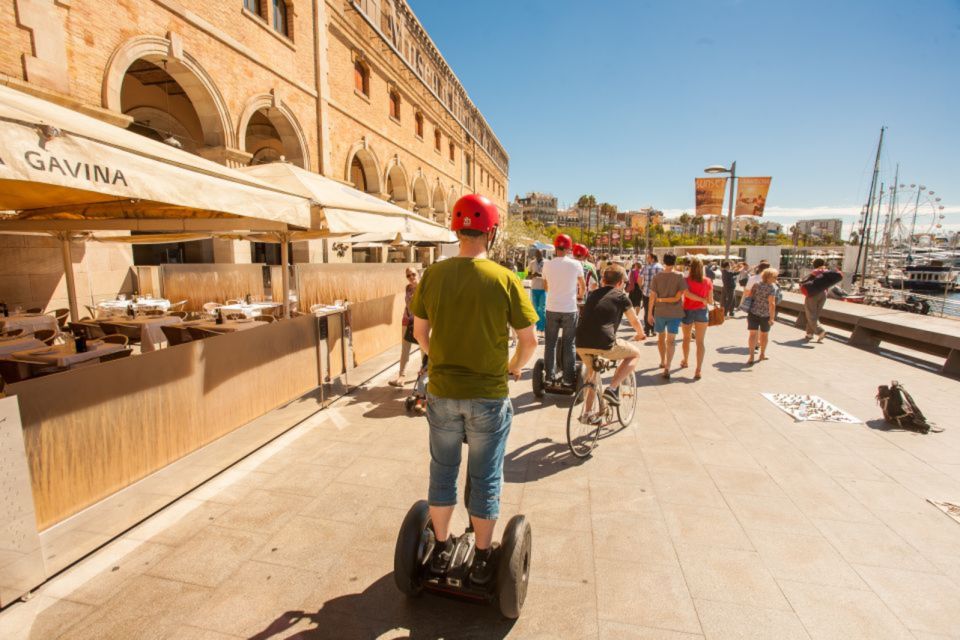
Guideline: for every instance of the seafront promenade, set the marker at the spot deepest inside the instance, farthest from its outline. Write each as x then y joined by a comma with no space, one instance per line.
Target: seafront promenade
714,516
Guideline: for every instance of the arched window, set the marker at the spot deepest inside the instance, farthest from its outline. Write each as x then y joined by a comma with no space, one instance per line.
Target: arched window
357,175
280,23
419,122
361,78
395,105
453,151
436,139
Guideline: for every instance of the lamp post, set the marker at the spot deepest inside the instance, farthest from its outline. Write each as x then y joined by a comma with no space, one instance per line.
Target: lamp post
718,168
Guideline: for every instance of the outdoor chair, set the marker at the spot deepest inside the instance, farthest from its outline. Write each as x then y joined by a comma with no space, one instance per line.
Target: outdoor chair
211,307
200,334
234,301
195,315
12,333
178,314
235,316
13,370
176,335
264,318
91,310
35,310
116,355
116,338
131,332
154,312
46,336
94,330
178,306
61,315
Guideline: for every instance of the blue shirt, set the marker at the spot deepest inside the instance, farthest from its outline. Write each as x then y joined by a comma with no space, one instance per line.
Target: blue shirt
647,273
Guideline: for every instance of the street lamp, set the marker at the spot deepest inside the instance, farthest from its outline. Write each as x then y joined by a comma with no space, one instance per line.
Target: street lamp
719,168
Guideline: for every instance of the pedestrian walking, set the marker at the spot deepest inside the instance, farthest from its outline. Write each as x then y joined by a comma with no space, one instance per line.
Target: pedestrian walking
728,278
813,304
406,323
634,291
666,293
647,273
537,293
565,285
696,316
762,312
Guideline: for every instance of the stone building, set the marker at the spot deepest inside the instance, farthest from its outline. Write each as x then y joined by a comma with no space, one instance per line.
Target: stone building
355,90
821,228
539,207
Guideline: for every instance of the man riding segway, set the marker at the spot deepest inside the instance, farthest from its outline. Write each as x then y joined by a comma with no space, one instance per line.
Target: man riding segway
565,285
462,309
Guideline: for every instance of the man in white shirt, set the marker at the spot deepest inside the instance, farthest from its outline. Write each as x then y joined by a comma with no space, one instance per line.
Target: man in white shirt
564,282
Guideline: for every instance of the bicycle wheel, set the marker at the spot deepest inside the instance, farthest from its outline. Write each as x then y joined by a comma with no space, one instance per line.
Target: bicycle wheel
581,436
628,400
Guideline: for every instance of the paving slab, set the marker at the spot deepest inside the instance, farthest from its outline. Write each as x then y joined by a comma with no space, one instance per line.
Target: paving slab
714,515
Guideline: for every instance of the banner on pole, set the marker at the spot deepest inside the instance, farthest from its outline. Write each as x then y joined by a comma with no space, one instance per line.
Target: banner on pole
751,196
615,236
628,234
709,192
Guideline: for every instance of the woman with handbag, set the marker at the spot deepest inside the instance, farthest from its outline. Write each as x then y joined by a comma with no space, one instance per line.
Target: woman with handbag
698,295
406,344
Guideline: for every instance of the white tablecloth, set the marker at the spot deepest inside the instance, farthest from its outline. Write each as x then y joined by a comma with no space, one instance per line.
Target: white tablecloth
251,310
7,347
118,307
30,322
151,335
65,355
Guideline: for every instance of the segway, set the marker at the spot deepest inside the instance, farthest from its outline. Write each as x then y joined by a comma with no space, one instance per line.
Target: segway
539,378
507,589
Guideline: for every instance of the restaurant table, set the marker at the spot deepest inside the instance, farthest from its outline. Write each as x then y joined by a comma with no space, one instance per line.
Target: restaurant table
228,326
29,322
109,308
65,355
151,334
9,345
250,310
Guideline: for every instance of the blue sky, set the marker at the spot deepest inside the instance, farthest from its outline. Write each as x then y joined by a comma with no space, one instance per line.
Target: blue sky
630,99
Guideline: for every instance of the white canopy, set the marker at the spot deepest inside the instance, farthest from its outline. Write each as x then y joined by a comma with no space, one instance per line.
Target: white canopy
344,210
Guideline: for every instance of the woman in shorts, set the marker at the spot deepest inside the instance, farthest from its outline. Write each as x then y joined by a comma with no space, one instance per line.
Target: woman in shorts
634,290
762,312
698,295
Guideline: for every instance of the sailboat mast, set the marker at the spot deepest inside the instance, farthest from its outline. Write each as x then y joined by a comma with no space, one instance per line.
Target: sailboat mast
864,245
888,223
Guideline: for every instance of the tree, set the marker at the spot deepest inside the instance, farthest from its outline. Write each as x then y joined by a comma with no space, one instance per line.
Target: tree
699,223
607,211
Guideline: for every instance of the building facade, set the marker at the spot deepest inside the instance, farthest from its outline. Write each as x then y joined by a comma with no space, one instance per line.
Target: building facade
539,207
820,228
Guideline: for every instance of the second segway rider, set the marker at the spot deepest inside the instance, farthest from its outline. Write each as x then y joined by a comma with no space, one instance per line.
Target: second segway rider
461,311
590,276
597,330
563,280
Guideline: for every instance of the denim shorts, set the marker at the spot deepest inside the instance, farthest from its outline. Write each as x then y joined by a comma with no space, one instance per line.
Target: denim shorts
486,424
755,322
671,325
695,315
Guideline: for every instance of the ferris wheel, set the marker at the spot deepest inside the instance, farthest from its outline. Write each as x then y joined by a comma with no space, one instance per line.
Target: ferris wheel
916,211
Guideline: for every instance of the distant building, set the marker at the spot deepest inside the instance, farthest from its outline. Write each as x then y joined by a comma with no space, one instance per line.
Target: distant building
637,220
570,217
540,207
772,229
821,228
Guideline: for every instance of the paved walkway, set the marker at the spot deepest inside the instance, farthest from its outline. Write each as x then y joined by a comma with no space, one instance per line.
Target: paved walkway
714,516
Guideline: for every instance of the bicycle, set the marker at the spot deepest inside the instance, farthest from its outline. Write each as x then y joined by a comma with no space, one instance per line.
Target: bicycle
584,426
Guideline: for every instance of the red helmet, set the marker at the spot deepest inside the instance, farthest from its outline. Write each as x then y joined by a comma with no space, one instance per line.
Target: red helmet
476,212
580,251
562,241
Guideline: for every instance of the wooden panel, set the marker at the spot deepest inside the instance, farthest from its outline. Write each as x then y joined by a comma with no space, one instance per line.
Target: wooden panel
376,294
201,283
92,431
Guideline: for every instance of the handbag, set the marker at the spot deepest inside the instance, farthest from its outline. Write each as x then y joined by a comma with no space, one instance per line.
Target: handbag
716,316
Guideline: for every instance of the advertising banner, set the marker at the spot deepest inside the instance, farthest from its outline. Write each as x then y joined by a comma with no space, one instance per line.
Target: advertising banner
709,193
628,234
615,236
751,196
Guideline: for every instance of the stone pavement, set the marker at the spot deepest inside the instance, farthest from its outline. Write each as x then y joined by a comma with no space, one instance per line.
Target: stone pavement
714,515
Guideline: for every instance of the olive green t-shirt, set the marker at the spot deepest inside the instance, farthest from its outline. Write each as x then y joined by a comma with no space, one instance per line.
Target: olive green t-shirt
469,303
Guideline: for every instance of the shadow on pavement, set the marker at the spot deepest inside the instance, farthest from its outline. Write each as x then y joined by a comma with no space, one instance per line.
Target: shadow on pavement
368,615
799,343
537,460
732,367
740,351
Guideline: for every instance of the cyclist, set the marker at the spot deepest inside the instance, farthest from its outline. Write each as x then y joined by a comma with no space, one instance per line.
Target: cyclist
461,312
600,319
591,279
563,280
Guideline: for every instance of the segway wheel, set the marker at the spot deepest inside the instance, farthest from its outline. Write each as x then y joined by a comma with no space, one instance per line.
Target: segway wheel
413,544
538,378
513,570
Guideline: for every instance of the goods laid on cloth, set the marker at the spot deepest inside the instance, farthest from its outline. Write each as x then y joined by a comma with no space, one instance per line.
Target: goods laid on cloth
806,408
819,283
952,510
900,409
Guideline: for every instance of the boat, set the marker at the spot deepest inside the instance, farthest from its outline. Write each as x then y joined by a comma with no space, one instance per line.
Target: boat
932,275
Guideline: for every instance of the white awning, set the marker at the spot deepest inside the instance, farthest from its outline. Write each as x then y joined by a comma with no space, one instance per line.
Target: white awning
344,210
60,165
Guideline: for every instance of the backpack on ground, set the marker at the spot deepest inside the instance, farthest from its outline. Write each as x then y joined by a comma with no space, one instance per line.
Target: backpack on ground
900,409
